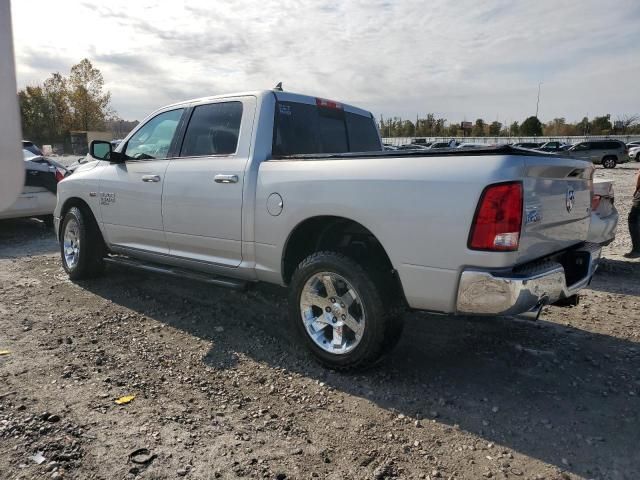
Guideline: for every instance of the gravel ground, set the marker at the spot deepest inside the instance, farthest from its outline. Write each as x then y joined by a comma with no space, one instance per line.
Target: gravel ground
222,392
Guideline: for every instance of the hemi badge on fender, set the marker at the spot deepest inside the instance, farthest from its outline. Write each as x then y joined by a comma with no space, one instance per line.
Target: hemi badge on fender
93,194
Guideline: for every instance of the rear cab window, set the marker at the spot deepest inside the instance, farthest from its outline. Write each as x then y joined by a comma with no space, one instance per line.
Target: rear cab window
213,130
326,127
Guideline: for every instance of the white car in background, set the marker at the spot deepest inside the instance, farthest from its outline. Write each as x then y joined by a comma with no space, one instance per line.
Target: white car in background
634,154
38,197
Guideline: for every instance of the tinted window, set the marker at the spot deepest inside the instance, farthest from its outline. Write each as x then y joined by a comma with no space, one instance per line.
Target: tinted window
363,134
332,130
609,145
581,146
213,130
154,137
307,129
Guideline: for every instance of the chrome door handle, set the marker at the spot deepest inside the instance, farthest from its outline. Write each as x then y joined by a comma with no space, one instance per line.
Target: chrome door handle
226,178
151,178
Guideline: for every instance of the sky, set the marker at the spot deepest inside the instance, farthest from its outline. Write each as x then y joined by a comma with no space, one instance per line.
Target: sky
460,59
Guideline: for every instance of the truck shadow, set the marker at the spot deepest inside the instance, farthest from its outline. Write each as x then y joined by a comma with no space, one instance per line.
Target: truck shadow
617,276
26,236
565,396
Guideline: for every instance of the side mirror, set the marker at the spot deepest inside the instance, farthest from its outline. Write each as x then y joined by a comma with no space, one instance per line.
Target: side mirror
103,150
100,149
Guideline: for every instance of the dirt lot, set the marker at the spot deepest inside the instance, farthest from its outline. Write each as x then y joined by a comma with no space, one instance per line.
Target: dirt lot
221,391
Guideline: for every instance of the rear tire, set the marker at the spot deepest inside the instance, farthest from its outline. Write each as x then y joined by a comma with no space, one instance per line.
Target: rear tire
609,162
81,245
346,315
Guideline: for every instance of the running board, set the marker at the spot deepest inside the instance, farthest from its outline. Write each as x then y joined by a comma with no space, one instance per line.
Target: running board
177,272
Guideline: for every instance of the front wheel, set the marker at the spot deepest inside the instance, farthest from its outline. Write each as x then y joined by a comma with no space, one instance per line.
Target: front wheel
81,246
347,316
609,162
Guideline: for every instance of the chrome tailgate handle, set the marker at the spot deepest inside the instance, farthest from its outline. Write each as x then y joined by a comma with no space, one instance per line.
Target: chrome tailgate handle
226,178
151,178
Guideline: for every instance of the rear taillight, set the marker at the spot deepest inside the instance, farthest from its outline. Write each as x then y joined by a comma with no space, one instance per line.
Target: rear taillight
595,202
498,220
59,175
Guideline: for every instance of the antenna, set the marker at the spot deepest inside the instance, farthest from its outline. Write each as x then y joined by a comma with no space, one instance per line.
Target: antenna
278,87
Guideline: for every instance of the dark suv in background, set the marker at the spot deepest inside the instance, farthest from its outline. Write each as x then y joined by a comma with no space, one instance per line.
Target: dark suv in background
607,153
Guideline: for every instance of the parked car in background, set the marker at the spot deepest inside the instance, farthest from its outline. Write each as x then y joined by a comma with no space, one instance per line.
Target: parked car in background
553,147
604,216
296,190
412,146
634,154
471,145
32,147
607,153
436,145
532,145
633,144
38,197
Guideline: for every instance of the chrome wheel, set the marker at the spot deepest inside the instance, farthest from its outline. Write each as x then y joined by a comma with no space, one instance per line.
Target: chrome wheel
71,243
332,313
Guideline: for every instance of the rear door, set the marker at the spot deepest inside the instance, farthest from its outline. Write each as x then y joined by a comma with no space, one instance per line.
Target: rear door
131,192
202,199
598,151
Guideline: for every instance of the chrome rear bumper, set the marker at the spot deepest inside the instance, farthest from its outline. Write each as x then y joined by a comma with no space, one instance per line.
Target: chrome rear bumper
528,287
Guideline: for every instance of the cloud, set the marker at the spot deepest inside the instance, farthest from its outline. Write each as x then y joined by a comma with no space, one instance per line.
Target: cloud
461,59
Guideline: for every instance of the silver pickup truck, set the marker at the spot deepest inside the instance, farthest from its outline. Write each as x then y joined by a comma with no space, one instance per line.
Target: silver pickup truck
296,190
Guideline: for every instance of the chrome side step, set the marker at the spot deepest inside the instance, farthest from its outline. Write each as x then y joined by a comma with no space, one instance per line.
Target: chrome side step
177,272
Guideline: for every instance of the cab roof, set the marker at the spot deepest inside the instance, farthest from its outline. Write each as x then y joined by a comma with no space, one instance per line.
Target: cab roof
280,96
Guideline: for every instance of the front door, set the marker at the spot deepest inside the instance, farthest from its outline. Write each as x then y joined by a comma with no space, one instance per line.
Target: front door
202,200
131,192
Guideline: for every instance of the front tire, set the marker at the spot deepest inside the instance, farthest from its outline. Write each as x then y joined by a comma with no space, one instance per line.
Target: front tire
609,162
81,245
348,317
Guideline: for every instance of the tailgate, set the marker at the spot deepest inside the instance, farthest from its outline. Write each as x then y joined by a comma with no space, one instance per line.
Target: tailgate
557,205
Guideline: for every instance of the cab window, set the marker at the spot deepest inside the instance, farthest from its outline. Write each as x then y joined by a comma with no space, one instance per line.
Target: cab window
153,139
213,130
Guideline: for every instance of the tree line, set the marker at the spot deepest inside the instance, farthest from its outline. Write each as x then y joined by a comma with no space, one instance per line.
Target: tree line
61,104
432,126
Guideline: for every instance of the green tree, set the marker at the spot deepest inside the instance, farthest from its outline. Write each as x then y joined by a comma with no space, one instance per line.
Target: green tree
601,125
583,127
495,128
88,102
531,127
478,128
50,110
514,129
35,111
55,89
